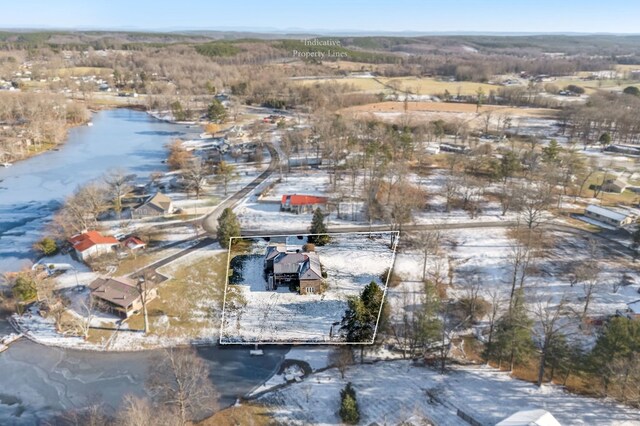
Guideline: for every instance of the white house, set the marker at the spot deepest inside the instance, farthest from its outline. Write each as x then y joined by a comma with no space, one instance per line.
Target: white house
92,243
611,217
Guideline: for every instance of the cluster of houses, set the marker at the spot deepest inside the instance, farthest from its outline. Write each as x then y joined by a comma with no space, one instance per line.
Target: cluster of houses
92,244
293,269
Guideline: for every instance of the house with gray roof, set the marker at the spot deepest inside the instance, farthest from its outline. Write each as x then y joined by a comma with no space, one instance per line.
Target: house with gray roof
610,216
158,204
293,269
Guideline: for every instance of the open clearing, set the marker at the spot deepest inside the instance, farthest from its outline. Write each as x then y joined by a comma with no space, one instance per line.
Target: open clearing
449,107
253,314
418,86
398,392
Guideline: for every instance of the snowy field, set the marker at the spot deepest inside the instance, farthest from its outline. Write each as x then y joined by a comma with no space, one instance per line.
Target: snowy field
399,392
262,212
351,261
482,257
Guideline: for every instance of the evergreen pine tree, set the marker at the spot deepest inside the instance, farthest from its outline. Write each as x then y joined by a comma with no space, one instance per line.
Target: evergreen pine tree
512,339
361,317
349,411
620,342
228,226
551,152
318,227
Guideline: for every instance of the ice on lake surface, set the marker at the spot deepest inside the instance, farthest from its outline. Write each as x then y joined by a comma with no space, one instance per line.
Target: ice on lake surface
33,189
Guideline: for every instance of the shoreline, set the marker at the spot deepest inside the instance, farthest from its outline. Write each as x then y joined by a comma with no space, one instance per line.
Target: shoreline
68,127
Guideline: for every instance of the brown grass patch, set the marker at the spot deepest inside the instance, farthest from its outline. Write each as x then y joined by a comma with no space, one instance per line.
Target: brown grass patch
448,107
182,296
249,415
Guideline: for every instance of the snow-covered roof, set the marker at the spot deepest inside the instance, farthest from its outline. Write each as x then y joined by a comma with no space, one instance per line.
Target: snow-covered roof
635,307
611,214
536,417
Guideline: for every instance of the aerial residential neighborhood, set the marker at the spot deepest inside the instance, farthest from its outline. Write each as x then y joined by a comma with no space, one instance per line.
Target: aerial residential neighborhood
340,213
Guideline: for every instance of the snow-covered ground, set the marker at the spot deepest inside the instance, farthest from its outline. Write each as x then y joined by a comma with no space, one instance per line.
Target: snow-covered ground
482,256
399,392
317,358
351,261
262,212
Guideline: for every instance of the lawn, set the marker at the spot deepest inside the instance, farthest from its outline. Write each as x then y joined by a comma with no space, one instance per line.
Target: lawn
189,303
609,198
253,414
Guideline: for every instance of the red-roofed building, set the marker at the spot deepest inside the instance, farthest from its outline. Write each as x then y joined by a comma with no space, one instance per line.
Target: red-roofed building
91,244
133,244
298,203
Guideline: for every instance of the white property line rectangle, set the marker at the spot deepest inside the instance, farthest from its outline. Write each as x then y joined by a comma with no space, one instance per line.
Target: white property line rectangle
392,234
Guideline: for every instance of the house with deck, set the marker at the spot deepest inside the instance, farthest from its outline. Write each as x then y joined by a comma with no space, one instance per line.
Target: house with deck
298,203
92,244
120,296
293,269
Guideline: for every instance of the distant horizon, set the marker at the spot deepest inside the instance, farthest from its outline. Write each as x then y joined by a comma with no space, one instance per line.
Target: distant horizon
616,17
309,31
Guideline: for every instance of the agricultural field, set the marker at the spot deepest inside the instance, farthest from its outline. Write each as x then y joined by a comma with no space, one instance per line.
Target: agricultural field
413,85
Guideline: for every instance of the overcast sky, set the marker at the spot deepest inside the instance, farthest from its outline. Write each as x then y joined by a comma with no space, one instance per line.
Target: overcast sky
615,16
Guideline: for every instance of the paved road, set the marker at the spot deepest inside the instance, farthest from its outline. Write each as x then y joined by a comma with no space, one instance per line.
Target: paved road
210,222
151,270
613,245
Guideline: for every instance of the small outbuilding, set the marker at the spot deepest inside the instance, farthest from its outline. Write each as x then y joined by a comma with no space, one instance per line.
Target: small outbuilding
134,244
614,185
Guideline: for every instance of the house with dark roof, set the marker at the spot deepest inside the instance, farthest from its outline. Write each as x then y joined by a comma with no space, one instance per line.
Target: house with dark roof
120,296
91,244
298,203
158,204
293,269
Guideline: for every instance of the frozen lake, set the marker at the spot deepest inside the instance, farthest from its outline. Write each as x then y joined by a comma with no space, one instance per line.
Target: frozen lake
31,190
36,380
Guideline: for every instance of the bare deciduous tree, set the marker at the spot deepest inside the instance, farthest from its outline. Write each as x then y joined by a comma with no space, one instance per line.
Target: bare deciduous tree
552,320
180,381
119,184
341,357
